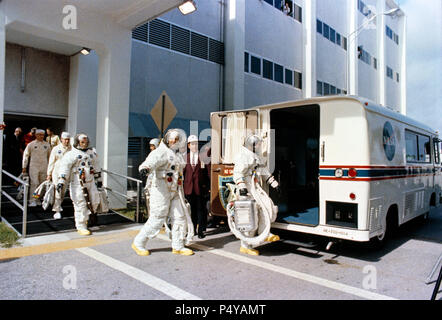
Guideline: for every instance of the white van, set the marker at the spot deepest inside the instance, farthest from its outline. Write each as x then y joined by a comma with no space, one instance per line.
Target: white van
348,168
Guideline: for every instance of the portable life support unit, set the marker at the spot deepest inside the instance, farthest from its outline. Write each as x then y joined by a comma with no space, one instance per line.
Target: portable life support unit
243,213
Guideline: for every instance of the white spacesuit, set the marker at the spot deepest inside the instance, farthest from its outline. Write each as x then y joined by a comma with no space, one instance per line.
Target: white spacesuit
249,164
53,171
36,155
80,166
166,195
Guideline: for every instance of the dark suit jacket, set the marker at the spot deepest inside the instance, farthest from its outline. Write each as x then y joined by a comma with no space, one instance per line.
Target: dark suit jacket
195,179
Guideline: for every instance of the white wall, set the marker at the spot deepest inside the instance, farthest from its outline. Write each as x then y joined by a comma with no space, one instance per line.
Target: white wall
46,82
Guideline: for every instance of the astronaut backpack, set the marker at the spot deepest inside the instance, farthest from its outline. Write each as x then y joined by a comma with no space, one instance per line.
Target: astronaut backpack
49,197
103,206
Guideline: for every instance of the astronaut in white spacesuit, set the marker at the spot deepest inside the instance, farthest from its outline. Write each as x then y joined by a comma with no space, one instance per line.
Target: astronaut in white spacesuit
53,167
80,167
36,155
248,164
166,195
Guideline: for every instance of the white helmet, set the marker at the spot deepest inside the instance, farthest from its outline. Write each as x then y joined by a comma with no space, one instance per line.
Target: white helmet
155,142
192,138
253,143
172,134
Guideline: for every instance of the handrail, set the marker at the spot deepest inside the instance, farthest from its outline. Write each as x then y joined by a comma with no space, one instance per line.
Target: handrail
24,207
15,178
138,216
122,176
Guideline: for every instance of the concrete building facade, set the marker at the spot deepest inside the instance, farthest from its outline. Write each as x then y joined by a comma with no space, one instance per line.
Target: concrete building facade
229,54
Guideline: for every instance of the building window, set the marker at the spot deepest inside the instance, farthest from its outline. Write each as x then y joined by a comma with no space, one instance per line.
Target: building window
255,65
338,91
396,39
389,32
267,69
319,88
332,35
326,89
338,39
279,73
375,63
397,76
298,13
344,43
332,89
269,2
319,26
298,80
326,31
389,72
289,76
246,61
279,4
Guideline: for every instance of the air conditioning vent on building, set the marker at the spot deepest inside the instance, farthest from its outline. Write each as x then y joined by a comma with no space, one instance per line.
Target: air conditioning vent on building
180,40
159,33
199,46
216,51
140,33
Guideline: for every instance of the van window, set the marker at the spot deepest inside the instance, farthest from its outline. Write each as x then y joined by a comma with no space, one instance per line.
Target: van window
233,133
424,149
418,147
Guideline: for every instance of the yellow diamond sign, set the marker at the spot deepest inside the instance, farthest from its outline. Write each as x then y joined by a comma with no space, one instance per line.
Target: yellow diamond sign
163,112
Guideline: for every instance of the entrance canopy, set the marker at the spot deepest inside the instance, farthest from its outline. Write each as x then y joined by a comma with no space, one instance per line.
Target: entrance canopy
104,26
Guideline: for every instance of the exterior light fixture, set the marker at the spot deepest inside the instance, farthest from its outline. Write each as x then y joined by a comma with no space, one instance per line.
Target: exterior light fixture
85,51
187,7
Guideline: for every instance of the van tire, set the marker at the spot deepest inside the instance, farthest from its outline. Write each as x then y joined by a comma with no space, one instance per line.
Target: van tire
391,225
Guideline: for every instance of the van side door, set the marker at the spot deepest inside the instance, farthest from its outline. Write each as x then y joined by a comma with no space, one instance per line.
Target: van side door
229,130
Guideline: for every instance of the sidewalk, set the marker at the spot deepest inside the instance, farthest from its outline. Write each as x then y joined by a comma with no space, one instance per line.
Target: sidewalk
70,240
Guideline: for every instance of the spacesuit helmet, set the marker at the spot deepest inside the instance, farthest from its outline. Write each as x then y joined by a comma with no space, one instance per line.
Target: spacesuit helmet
77,139
154,142
175,139
253,143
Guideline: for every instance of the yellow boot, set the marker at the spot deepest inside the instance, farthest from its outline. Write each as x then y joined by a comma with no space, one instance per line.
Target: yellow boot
272,238
252,252
140,252
84,232
183,252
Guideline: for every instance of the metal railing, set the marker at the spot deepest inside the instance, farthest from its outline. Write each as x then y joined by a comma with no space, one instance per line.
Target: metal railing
24,207
139,183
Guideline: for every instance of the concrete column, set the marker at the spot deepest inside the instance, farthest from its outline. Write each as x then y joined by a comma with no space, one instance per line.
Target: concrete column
352,45
380,8
309,54
83,82
113,113
2,79
234,54
403,69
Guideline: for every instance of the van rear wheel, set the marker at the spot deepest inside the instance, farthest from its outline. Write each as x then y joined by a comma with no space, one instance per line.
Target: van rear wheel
391,224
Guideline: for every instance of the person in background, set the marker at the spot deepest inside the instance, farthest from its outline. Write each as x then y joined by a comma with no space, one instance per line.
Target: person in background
30,136
14,147
195,186
57,154
36,155
52,138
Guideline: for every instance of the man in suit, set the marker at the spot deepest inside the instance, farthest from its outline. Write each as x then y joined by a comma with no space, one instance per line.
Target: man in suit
195,186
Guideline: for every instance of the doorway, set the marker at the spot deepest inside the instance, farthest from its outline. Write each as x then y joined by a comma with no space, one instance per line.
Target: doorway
297,164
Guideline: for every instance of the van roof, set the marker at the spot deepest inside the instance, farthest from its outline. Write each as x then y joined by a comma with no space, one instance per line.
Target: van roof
366,103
